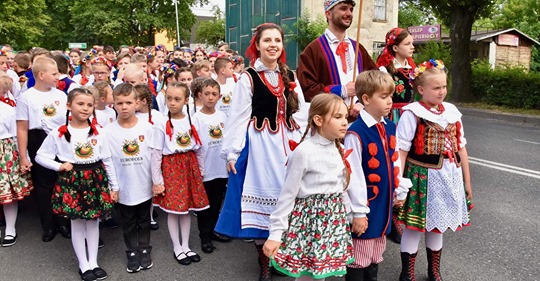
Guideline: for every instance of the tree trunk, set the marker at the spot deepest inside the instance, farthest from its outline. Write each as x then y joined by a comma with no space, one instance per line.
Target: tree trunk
461,23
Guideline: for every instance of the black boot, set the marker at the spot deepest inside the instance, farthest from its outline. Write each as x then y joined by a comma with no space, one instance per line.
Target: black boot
434,264
397,230
264,264
354,274
407,267
370,272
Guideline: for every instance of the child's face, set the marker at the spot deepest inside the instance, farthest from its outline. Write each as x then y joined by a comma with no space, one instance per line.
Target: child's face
101,72
204,72
222,50
108,100
228,70
160,57
378,105
209,96
126,105
142,106
132,79
178,55
143,65
81,107
199,56
176,99
405,49
111,56
153,65
74,57
185,77
123,62
187,56
50,76
212,60
434,90
334,124
3,64
10,59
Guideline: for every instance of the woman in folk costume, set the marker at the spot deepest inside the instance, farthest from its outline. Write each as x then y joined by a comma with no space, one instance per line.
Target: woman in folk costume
257,146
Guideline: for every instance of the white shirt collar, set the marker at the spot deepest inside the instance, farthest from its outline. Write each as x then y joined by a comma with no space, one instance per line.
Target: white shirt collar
259,66
62,76
332,39
397,64
318,139
369,120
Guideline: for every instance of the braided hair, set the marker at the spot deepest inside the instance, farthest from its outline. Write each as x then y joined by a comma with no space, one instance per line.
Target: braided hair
144,93
185,90
64,131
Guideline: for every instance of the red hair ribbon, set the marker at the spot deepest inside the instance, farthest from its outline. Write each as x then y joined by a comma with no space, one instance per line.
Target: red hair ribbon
347,164
293,145
62,130
341,51
168,129
292,86
195,135
93,125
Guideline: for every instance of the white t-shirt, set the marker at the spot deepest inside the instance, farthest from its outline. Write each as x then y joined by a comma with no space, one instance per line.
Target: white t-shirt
105,116
211,128
8,125
82,149
224,104
78,78
42,110
16,88
157,117
182,139
131,155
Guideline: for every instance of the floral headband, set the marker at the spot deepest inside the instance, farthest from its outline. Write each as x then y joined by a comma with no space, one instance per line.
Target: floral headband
91,54
392,35
421,68
101,60
168,71
160,47
3,53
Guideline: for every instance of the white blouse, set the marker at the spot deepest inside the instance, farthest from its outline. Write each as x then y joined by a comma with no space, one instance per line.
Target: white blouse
8,125
315,167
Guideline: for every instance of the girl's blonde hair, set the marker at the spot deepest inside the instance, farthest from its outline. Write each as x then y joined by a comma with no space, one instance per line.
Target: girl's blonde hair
423,77
323,104
6,83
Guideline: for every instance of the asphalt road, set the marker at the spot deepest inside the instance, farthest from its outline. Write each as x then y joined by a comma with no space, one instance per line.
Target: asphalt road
501,244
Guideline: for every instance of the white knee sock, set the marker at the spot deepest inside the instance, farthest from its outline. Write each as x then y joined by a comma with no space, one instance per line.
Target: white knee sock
174,232
152,212
185,225
434,241
10,213
78,232
92,241
410,240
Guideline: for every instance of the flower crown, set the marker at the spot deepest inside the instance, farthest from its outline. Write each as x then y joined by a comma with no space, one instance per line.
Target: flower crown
427,65
170,70
3,53
101,60
91,54
160,47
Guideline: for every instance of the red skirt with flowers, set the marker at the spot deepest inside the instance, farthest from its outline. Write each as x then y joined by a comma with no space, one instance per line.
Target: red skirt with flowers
184,189
82,193
318,242
14,186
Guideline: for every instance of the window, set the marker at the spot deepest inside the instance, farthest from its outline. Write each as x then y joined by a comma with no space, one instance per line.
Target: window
378,48
380,10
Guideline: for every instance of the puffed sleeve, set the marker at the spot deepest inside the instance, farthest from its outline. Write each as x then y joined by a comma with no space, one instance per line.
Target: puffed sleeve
237,122
357,190
406,130
296,169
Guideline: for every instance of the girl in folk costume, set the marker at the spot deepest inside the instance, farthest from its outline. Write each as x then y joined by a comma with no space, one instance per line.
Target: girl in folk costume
83,73
310,237
14,185
432,145
101,69
74,60
396,59
177,171
168,77
260,119
81,192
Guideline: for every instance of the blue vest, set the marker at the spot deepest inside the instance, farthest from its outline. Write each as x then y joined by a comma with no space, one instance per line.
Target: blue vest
68,84
380,204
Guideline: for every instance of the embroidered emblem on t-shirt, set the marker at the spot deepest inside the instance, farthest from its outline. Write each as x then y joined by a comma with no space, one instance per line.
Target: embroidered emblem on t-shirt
49,110
226,99
131,147
84,150
215,132
183,139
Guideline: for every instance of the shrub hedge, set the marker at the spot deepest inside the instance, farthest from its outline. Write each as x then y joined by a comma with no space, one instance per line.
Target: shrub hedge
506,86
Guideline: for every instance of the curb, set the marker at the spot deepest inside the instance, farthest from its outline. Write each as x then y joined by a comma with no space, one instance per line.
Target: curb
530,120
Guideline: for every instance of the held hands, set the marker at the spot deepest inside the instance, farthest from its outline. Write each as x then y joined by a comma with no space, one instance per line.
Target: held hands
114,196
25,165
66,167
230,167
359,225
158,189
398,203
270,247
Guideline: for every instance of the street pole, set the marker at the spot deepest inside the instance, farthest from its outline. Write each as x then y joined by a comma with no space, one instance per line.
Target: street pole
177,26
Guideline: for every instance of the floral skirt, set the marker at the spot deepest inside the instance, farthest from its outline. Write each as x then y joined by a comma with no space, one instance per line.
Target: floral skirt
184,189
13,185
82,193
318,242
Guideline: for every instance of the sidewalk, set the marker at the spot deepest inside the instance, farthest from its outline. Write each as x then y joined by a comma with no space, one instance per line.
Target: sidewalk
530,120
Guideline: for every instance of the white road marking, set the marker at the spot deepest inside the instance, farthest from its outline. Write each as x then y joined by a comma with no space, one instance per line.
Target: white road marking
505,167
527,141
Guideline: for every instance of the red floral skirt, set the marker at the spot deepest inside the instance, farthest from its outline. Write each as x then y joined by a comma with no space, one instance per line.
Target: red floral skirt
82,193
14,186
184,189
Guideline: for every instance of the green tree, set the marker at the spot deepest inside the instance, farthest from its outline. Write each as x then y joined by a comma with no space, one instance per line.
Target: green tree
411,14
459,16
213,31
22,22
308,30
59,31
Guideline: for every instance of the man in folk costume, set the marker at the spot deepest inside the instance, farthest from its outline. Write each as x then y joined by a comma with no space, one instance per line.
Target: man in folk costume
327,63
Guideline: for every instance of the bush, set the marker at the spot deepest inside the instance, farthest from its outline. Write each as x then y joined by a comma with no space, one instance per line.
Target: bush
308,30
433,50
506,86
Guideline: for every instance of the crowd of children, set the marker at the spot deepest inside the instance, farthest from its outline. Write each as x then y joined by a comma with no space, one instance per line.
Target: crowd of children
97,132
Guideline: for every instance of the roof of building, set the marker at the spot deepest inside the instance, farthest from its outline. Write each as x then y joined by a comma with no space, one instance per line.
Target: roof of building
479,36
